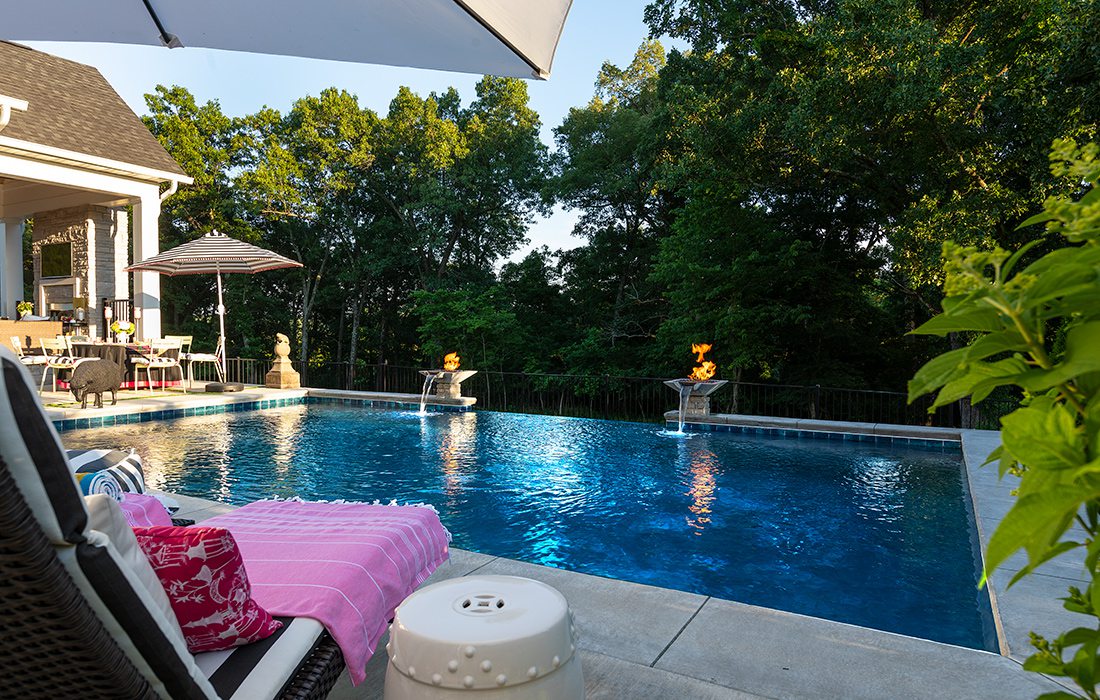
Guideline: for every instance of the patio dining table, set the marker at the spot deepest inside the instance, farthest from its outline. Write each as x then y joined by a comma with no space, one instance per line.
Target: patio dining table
122,355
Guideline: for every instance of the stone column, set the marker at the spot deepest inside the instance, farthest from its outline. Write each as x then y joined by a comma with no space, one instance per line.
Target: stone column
446,389
282,374
697,405
147,284
11,267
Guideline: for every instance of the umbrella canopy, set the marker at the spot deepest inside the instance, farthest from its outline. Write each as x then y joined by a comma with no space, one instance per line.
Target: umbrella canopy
500,37
215,253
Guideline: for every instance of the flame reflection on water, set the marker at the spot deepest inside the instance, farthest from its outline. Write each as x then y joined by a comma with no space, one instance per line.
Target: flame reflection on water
704,467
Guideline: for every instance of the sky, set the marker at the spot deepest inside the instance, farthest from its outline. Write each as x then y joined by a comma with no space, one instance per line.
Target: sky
595,31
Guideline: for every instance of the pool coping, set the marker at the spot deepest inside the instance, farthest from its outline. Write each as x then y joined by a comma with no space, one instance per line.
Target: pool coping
882,433
140,409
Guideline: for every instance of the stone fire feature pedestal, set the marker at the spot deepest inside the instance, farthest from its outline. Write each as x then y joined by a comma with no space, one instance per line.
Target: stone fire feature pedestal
698,400
282,374
448,385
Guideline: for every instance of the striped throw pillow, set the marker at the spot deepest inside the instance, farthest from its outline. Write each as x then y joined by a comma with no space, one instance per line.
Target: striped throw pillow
125,467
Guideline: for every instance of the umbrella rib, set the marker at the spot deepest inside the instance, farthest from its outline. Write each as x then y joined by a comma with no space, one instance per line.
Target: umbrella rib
535,69
170,40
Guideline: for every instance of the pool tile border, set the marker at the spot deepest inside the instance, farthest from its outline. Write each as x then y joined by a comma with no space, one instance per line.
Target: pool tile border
169,413
235,407
894,440
377,403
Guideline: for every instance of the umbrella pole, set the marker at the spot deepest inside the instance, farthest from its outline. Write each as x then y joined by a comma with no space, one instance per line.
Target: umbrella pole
221,325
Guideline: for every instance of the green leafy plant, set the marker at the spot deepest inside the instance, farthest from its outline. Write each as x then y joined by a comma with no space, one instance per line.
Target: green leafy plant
1038,329
24,308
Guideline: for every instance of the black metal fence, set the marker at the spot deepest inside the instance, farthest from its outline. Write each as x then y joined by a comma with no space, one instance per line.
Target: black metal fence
636,398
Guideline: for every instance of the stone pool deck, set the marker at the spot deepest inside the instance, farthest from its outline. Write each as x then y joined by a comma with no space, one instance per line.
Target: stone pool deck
639,641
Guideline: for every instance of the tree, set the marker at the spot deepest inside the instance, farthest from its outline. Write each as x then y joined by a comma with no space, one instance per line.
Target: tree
869,131
300,168
606,168
206,144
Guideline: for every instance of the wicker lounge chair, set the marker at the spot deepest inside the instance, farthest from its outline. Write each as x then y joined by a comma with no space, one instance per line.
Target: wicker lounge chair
81,618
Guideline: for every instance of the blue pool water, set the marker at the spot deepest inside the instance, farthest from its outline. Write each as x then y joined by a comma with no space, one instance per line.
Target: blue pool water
872,535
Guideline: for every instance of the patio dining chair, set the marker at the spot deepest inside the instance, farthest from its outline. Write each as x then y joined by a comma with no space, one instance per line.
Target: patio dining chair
59,358
192,357
158,359
27,360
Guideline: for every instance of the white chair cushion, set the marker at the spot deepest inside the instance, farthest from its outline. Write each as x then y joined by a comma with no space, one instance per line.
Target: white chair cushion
261,669
106,516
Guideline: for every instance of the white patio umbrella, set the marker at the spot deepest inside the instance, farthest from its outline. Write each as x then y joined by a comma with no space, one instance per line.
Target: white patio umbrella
217,254
501,37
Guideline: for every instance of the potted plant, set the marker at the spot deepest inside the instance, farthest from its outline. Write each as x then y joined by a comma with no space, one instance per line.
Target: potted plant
24,308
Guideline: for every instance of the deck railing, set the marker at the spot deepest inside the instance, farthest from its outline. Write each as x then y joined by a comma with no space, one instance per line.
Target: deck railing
634,398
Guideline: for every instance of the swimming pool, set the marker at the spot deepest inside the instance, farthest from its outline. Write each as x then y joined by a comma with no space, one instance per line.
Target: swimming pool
873,535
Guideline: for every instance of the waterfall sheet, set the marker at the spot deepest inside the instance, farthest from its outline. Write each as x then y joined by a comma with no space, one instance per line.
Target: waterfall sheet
348,565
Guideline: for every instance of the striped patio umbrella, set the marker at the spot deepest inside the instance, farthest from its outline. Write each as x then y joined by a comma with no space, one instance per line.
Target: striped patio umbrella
499,37
217,254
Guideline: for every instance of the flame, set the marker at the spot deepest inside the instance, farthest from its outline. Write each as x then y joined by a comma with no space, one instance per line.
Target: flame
706,368
450,362
703,372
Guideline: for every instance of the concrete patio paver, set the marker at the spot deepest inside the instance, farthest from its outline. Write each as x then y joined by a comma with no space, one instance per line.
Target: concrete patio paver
629,621
605,678
784,655
1027,607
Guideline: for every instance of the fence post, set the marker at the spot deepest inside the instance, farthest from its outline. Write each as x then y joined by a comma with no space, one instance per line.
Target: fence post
817,402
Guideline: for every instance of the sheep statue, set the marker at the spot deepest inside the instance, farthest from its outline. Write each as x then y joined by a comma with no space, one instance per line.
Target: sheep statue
95,377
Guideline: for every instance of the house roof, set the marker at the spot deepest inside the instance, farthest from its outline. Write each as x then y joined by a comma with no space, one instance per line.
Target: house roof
72,107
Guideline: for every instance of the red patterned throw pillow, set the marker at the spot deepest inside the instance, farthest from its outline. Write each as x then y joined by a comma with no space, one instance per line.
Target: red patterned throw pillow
203,574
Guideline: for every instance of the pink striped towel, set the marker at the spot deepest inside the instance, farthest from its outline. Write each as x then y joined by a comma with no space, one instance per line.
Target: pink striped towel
143,510
348,565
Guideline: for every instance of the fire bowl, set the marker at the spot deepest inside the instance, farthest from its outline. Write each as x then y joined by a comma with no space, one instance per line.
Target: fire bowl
698,388
442,375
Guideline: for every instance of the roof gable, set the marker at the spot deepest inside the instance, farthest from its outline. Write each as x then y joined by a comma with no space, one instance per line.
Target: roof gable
73,107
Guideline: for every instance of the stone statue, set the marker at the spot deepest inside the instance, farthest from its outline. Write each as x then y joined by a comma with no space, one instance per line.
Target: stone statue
282,346
282,374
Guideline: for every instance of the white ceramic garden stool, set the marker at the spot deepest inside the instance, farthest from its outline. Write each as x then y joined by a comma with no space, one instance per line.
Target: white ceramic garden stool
493,637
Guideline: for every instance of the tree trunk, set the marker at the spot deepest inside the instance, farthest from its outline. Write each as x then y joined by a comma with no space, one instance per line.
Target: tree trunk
736,390
340,331
353,342
309,297
966,408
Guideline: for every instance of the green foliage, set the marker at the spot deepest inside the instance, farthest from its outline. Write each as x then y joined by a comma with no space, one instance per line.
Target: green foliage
1037,328
606,169
857,135
781,190
468,322
431,194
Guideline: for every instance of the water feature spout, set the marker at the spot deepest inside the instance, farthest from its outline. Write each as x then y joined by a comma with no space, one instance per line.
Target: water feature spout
429,379
685,392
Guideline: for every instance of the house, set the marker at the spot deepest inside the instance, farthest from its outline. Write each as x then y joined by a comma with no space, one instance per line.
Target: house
84,171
